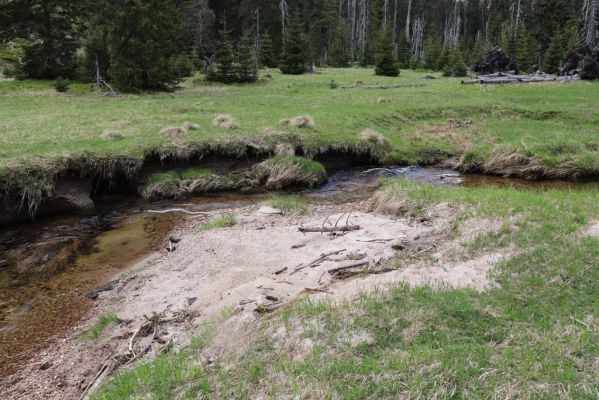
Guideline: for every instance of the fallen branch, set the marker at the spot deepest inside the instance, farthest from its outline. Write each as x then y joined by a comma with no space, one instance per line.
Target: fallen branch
280,271
321,258
323,229
181,210
345,267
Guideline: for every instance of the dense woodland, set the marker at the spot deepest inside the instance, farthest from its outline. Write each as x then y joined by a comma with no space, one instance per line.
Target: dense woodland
150,44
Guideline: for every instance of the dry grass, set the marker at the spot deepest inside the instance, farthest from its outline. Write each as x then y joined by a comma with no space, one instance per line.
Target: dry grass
225,121
302,121
190,126
173,131
382,100
111,136
370,135
284,150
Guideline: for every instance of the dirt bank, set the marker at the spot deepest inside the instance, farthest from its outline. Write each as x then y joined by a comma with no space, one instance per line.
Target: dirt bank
236,268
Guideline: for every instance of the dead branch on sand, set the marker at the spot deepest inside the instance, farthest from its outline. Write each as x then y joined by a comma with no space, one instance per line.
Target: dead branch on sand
344,228
317,261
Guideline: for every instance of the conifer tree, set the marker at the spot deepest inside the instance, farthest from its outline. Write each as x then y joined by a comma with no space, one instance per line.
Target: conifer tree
294,58
403,51
386,65
223,69
142,58
246,68
554,55
340,49
267,58
432,52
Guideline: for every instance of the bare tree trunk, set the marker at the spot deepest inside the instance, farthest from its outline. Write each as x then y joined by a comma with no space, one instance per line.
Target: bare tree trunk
418,39
257,43
589,23
363,26
284,18
385,12
408,17
395,28
353,29
515,16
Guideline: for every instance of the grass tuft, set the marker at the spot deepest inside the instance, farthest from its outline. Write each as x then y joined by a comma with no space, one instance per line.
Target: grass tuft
95,332
226,220
303,121
280,172
111,136
224,121
372,136
289,205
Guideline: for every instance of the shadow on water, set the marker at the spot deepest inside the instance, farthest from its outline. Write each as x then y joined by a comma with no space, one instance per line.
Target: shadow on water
47,269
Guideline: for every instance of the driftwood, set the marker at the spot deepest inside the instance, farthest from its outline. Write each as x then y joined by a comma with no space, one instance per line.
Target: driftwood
329,229
181,210
500,78
317,261
396,86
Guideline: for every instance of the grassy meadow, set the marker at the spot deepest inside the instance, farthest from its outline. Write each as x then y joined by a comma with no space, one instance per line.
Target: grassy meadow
551,128
534,335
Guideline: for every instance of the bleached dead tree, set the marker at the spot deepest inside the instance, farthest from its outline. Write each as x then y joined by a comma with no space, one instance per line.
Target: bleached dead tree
394,21
515,17
257,44
284,18
453,27
589,23
418,39
362,26
408,17
385,14
352,36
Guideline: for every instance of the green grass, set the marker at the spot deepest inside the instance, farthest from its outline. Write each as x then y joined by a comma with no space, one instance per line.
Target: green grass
226,220
289,205
535,335
194,173
557,123
96,331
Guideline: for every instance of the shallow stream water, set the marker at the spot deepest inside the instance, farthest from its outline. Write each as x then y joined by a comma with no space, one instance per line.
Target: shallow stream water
49,268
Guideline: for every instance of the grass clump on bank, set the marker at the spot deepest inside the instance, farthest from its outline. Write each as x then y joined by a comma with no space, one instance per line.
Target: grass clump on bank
177,183
99,327
534,334
280,172
289,205
226,220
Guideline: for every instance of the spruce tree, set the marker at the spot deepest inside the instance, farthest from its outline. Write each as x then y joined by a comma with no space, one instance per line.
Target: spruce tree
524,55
294,57
403,51
554,55
340,49
432,52
223,68
246,67
267,58
142,58
386,65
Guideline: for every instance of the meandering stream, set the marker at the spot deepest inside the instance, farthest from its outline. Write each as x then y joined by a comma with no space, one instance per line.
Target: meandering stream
48,268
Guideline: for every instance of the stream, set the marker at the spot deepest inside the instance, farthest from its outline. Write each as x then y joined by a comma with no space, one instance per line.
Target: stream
49,268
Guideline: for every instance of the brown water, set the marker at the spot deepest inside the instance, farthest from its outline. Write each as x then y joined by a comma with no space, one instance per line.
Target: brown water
47,269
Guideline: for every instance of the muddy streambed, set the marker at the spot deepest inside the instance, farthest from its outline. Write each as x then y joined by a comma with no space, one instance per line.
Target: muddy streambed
49,270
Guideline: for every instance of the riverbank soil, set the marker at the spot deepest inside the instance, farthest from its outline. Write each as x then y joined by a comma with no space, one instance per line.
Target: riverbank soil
529,131
252,278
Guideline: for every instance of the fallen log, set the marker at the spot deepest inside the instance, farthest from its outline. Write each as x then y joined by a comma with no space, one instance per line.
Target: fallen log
329,229
345,267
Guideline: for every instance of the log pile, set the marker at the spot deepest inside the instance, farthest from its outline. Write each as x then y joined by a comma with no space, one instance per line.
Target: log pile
510,77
